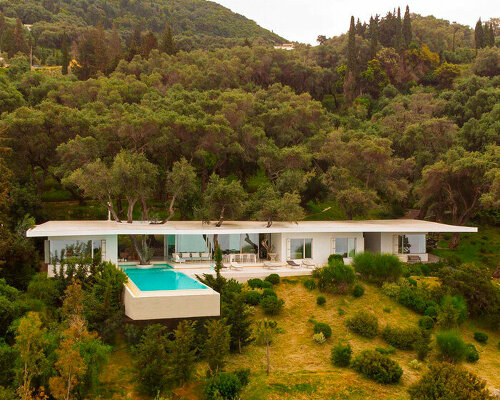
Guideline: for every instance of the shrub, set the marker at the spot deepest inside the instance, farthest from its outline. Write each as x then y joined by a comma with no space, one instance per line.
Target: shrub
324,328
378,268
451,346
223,385
446,381
378,367
364,324
272,305
422,346
340,311
252,297
273,278
243,375
335,277
358,291
341,355
319,338
480,337
471,354
387,310
415,364
269,292
310,284
453,312
320,300
400,338
426,323
389,350
255,283
267,285
335,257
432,311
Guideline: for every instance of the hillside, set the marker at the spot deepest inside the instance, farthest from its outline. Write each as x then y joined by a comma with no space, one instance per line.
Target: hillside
194,22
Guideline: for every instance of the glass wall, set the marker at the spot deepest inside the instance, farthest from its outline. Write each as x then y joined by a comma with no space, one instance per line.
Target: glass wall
60,249
192,243
411,244
300,248
229,244
346,247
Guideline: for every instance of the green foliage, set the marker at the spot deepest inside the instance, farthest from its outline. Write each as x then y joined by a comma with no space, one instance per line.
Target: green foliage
319,338
378,367
271,305
417,298
378,268
453,312
341,355
447,381
8,358
389,350
267,285
320,300
273,278
422,346
471,354
335,277
401,338
255,283
252,297
481,337
426,323
269,292
310,284
237,314
225,386
363,323
216,346
321,327
358,291
451,346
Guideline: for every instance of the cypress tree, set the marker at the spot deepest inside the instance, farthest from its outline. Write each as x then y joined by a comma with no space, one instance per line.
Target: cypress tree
65,55
167,44
373,36
491,36
351,47
479,35
20,44
398,39
407,34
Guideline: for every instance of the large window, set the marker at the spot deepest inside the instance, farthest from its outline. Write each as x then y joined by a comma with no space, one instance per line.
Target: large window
60,249
411,244
191,243
300,248
346,247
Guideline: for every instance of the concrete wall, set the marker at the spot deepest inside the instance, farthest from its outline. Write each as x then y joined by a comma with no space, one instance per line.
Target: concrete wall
322,245
170,304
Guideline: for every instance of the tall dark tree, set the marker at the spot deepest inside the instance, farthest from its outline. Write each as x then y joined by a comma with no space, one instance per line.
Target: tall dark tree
115,48
479,35
491,35
351,47
407,34
398,38
373,36
20,43
134,43
148,43
167,44
65,55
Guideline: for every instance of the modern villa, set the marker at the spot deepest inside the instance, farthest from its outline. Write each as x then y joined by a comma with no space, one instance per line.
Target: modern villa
182,249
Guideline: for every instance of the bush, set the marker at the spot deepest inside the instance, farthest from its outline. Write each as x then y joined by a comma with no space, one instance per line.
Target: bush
324,328
426,323
446,381
341,355
389,350
252,297
387,310
256,283
415,364
400,338
335,277
378,367
432,311
243,375
272,305
273,278
378,268
422,346
480,337
310,284
267,285
319,338
364,324
451,346
269,292
471,354
358,291
320,300
223,386
335,257
453,312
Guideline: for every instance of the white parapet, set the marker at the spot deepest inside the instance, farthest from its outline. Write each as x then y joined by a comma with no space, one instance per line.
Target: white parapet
167,304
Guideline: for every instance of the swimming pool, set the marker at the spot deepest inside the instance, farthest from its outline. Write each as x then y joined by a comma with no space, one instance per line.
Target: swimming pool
150,279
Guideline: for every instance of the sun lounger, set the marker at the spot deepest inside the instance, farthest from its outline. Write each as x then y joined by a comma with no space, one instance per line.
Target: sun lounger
236,266
292,264
186,256
308,263
272,265
205,256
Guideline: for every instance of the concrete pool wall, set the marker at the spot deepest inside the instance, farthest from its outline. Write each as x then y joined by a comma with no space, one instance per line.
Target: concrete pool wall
167,304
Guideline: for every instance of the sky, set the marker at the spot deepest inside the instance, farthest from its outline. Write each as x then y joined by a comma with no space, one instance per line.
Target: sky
304,20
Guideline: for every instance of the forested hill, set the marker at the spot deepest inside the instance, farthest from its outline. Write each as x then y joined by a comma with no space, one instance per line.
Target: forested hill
194,22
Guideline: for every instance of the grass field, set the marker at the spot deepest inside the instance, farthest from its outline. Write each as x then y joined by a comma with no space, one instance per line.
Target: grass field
301,368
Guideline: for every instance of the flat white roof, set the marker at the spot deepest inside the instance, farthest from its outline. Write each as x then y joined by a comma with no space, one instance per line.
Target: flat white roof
88,228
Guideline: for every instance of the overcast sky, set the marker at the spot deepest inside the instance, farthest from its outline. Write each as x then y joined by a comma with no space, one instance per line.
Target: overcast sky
304,20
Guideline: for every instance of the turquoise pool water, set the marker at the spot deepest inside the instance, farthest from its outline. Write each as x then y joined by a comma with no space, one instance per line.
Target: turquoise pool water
163,278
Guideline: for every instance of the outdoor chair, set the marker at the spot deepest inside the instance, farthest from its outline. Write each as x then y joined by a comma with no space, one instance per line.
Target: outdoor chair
308,263
271,265
236,266
186,256
177,258
293,264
